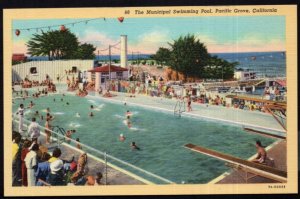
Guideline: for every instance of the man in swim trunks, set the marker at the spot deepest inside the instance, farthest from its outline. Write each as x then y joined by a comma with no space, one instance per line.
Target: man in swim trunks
261,153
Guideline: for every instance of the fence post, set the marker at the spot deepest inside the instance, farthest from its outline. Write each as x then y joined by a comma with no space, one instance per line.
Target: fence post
105,159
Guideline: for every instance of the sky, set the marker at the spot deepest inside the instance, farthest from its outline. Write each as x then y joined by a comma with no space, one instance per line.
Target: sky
223,34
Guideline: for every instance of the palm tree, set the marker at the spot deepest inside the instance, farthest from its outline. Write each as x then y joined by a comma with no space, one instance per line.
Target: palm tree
54,44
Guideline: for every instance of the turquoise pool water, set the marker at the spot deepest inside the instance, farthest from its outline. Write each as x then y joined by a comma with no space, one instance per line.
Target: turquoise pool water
160,136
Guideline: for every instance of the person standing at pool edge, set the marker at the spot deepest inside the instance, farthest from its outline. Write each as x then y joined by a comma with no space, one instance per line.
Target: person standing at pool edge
34,129
47,131
21,117
189,103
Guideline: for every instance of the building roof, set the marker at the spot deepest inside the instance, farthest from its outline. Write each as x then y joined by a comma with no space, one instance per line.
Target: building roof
19,57
105,68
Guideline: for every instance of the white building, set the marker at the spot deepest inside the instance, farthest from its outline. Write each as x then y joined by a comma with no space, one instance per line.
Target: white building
101,74
37,70
244,75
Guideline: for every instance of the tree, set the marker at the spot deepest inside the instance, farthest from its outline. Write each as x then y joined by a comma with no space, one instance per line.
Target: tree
86,51
189,56
59,45
219,69
162,56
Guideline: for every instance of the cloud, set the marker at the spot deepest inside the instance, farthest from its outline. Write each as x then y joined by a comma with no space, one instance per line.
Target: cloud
150,42
100,40
19,47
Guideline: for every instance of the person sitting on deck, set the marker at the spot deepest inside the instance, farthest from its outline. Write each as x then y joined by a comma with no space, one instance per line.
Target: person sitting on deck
107,94
261,153
98,178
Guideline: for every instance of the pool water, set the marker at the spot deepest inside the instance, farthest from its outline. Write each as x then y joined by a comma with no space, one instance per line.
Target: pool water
160,136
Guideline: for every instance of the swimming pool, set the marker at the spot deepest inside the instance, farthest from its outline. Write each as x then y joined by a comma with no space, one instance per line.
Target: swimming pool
160,136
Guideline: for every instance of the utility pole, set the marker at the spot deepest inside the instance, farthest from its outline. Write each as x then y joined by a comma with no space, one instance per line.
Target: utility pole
109,61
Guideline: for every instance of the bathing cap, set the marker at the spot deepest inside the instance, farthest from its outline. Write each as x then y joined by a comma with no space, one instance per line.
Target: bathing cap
121,135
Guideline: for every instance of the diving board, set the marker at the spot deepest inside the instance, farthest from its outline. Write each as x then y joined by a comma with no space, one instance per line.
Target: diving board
264,133
258,169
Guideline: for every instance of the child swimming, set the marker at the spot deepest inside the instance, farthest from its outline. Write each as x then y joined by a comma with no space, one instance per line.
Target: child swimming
122,138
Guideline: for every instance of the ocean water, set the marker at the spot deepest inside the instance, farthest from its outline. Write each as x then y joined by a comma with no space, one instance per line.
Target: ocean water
270,64
160,136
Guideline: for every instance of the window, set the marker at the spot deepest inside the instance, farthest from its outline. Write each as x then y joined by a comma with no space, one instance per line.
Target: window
104,74
119,74
33,70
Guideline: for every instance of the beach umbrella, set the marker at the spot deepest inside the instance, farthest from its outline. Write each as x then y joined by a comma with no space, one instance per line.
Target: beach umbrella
17,32
62,28
121,19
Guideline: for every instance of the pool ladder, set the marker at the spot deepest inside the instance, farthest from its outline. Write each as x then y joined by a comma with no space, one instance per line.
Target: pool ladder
61,131
179,107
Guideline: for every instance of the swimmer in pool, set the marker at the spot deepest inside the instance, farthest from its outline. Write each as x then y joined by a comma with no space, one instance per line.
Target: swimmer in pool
92,107
122,138
67,103
77,115
128,121
128,113
31,104
48,110
49,117
61,99
69,134
36,113
77,144
134,146
91,114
